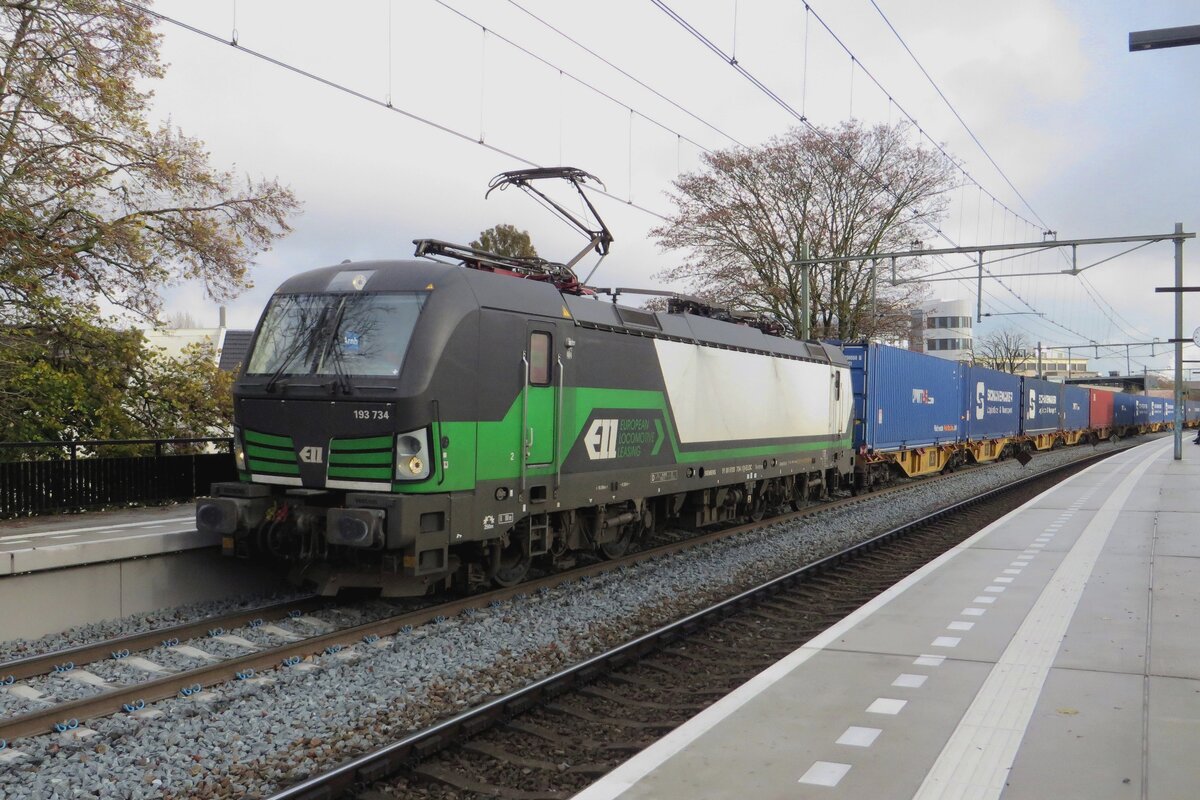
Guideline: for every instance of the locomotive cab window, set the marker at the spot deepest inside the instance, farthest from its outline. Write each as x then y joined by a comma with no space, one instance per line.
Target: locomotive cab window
539,358
336,334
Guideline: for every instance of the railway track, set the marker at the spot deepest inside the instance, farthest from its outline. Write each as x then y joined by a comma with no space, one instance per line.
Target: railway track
270,665
555,736
42,713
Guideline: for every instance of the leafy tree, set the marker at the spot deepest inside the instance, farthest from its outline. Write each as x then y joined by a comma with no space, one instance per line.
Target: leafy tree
843,191
95,203
1006,350
66,382
99,206
506,240
88,381
184,396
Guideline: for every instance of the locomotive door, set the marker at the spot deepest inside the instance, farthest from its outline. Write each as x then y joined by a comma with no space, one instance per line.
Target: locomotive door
541,402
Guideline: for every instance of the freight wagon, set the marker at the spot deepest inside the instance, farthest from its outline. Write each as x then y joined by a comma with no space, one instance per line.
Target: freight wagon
907,412
1043,417
1076,414
991,405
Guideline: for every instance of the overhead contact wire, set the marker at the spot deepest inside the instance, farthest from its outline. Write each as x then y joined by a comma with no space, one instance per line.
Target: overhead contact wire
374,101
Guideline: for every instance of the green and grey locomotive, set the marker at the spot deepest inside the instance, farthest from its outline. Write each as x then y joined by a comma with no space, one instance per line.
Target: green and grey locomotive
405,425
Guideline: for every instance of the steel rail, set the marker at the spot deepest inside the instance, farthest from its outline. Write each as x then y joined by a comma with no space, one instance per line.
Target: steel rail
32,666
378,764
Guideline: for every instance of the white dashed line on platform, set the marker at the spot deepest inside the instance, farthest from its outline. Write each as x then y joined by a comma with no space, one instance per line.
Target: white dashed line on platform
856,736
907,681
825,773
886,705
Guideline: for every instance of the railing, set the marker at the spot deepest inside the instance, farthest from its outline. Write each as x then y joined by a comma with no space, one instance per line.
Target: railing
55,477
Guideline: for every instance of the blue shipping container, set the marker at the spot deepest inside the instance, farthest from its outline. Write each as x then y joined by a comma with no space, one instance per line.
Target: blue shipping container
1076,408
991,402
1042,406
1141,410
1123,409
1168,411
1192,410
1158,409
902,399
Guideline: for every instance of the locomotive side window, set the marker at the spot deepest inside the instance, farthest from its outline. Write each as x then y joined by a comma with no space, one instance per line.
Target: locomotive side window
539,358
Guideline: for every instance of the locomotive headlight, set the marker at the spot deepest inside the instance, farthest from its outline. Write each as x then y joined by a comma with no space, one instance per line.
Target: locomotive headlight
239,450
412,456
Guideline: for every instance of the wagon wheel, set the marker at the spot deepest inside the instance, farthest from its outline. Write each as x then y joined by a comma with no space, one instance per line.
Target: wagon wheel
509,563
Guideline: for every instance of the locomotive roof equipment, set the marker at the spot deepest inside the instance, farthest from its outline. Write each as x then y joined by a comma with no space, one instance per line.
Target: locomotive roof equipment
561,275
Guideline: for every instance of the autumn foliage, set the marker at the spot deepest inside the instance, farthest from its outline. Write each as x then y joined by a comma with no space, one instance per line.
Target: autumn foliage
99,210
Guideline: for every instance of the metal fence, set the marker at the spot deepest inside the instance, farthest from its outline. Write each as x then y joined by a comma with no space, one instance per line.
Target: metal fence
53,477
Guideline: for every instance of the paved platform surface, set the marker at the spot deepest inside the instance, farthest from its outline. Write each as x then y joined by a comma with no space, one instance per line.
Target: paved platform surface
41,543
1056,654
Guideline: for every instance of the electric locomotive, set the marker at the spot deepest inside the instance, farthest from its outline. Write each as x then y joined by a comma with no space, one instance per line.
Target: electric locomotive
407,425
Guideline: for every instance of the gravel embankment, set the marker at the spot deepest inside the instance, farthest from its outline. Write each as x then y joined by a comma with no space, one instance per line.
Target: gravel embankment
254,736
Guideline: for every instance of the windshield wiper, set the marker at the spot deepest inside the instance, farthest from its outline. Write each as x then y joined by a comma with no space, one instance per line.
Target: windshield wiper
302,344
333,352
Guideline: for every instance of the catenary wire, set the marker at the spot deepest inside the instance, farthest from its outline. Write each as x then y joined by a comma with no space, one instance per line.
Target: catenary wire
362,96
755,81
957,116
458,134
626,74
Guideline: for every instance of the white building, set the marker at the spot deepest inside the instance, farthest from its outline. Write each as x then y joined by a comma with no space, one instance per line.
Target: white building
230,346
942,328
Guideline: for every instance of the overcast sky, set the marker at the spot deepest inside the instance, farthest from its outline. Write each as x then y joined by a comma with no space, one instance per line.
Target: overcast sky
1098,140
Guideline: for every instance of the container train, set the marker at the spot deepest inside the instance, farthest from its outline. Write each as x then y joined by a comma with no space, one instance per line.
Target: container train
409,425
918,415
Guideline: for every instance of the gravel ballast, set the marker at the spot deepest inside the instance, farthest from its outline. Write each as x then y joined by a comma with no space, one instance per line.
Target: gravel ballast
250,737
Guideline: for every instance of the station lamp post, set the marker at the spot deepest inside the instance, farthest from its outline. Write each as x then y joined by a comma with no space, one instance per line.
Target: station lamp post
1157,40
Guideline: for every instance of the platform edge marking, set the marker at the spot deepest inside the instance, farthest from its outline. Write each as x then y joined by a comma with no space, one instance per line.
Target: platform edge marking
977,757
624,776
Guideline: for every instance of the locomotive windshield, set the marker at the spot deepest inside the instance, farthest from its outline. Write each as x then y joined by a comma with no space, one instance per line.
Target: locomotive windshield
335,334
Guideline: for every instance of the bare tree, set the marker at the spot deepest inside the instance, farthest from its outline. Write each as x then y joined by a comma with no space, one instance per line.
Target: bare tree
849,190
181,319
1006,350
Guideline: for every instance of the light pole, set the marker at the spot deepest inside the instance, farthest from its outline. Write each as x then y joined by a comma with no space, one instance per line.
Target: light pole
1157,40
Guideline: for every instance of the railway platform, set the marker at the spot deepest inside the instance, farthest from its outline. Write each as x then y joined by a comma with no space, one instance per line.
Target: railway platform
68,540
76,569
1056,653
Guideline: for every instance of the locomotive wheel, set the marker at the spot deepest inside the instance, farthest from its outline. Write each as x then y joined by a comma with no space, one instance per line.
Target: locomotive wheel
758,508
619,546
510,566
273,540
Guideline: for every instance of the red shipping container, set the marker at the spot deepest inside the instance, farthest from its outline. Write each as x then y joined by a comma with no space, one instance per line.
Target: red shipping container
1102,408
